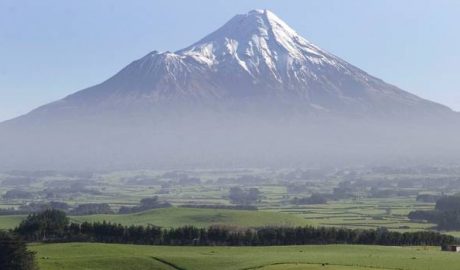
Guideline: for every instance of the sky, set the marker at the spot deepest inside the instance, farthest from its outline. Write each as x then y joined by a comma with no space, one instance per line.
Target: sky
52,48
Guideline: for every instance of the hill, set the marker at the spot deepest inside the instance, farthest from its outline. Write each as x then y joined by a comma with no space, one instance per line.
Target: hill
177,217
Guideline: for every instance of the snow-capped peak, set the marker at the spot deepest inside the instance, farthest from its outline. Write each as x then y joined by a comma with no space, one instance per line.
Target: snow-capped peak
258,28
260,44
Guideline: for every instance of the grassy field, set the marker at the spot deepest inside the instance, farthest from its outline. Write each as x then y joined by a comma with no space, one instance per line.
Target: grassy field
365,213
361,210
84,256
177,216
8,222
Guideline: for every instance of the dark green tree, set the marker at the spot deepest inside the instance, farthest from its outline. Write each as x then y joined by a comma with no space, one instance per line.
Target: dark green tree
50,223
238,195
14,254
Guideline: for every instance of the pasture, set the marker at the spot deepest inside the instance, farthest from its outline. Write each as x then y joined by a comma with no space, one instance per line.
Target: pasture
359,206
86,256
179,216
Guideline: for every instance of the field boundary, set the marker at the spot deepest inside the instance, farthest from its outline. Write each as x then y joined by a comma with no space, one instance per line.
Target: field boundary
170,264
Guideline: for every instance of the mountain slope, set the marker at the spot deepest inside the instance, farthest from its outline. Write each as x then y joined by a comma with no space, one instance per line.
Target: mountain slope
252,93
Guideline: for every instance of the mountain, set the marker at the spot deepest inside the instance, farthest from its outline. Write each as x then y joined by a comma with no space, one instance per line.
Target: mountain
252,77
253,56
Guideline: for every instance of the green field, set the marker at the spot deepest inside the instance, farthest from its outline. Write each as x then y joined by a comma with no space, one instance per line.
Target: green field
84,256
363,214
358,210
8,222
177,216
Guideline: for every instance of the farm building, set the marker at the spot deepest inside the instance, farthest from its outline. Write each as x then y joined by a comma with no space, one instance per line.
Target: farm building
452,248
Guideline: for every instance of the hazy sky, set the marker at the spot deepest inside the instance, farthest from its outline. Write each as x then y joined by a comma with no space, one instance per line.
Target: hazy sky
49,49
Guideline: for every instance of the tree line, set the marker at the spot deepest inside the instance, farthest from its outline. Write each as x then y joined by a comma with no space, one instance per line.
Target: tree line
53,226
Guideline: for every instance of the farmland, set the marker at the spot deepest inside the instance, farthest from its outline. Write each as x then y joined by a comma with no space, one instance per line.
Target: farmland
178,216
8,222
354,198
360,199
334,257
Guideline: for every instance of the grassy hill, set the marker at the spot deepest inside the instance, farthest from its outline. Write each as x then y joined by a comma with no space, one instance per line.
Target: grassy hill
79,256
177,216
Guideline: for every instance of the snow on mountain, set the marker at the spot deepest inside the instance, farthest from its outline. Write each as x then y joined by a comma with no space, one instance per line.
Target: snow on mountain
255,41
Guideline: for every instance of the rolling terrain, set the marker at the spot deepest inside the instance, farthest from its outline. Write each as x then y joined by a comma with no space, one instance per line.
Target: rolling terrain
79,256
178,217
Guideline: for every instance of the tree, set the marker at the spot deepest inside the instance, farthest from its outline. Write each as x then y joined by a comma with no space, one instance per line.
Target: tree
315,198
448,203
446,214
47,224
14,254
145,204
92,209
239,196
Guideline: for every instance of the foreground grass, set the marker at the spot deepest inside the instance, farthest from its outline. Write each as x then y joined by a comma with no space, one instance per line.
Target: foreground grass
92,256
